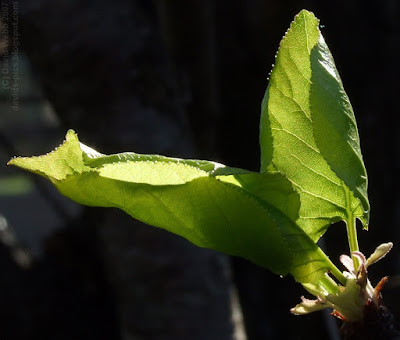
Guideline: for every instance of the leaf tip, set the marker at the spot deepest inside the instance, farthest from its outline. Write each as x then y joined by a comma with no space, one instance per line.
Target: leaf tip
17,161
306,15
71,135
305,12
11,161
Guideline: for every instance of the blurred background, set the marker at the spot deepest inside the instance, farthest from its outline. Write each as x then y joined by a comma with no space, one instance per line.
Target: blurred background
184,79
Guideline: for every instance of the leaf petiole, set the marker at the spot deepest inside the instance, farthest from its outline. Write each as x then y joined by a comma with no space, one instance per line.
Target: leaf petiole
352,238
351,230
338,275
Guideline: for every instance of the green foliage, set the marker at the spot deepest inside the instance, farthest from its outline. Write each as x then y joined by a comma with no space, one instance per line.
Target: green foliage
312,174
308,131
228,209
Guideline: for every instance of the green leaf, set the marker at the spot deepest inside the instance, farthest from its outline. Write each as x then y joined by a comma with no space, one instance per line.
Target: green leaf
308,131
227,209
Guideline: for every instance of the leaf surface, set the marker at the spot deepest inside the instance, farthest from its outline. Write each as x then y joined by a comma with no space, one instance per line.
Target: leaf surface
227,209
308,131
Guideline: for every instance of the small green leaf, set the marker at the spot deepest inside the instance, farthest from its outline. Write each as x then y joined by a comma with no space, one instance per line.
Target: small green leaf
308,131
227,209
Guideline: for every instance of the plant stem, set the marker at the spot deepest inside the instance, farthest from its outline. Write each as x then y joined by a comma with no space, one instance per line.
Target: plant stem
352,237
335,272
351,230
338,275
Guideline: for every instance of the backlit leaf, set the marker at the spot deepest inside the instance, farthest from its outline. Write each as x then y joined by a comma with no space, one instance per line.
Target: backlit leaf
227,209
308,131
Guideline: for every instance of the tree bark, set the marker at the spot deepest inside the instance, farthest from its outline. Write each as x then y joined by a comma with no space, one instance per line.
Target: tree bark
105,70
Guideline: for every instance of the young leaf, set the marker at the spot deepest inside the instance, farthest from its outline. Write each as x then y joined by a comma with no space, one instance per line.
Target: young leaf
228,209
308,131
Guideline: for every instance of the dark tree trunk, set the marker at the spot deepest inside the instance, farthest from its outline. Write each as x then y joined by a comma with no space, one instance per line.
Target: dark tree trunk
105,70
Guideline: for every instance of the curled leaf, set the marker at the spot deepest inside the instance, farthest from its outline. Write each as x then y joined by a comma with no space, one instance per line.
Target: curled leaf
227,209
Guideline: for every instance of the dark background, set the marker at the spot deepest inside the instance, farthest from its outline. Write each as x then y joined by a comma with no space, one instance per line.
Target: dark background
185,79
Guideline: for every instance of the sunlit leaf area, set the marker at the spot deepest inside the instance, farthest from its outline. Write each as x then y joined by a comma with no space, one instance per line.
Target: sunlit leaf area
264,173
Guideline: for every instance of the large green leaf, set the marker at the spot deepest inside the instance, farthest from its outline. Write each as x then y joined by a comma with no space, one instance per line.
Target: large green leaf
308,131
228,209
